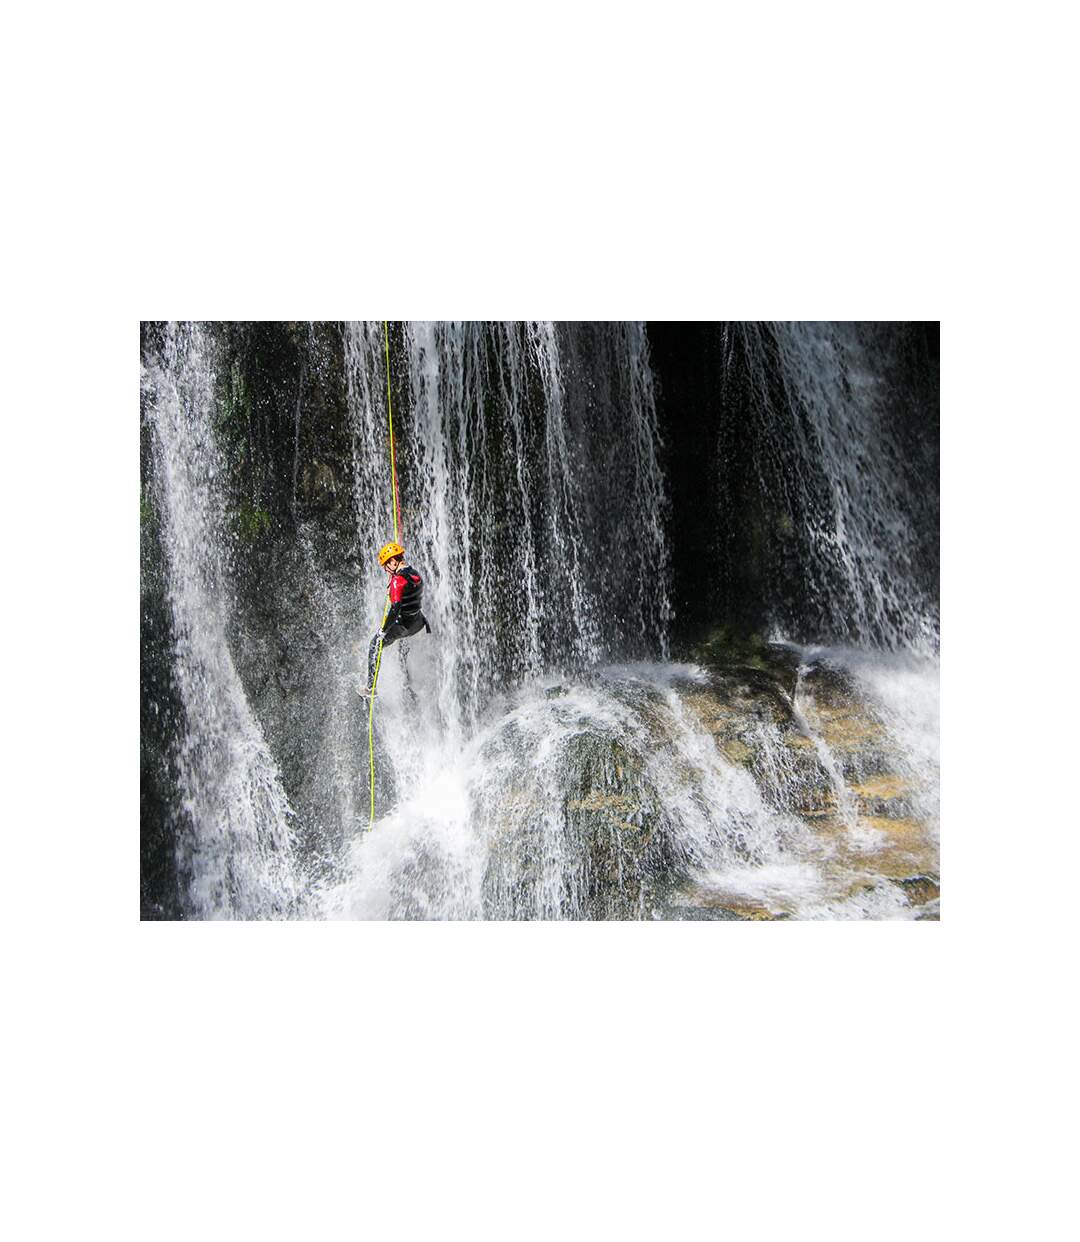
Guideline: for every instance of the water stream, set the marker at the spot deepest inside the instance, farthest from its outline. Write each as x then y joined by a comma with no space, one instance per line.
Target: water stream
233,832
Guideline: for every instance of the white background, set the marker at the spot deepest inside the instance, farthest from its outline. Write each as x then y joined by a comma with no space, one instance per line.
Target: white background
581,160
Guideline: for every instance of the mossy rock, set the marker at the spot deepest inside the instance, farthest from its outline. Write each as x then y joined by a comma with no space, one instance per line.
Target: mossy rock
725,651
830,686
251,523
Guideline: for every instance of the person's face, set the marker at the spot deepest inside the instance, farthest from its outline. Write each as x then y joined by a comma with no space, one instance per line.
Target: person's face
392,564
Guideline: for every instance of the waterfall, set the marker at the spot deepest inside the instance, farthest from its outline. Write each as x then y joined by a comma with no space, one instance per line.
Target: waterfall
533,502
532,497
539,755
232,830
848,490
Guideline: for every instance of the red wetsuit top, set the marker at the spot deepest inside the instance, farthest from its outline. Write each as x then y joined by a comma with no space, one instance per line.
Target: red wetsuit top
405,591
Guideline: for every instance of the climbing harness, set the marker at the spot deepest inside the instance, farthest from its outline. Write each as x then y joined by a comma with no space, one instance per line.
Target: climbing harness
397,542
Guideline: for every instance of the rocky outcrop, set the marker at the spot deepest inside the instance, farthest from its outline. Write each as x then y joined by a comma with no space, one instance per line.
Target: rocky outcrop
820,750
605,840
588,850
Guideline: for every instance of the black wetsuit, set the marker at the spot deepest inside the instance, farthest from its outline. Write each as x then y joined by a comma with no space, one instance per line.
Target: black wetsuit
405,618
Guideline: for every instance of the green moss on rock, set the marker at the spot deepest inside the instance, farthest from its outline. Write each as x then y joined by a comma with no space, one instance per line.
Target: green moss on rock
252,523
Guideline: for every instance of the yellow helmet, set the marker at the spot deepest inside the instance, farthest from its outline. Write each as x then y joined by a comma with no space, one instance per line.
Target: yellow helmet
389,550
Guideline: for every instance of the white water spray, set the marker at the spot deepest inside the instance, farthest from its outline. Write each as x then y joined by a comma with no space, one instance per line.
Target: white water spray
233,832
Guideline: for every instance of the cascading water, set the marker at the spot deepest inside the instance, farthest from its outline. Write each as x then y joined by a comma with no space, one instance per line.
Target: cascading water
232,829
523,769
533,499
833,460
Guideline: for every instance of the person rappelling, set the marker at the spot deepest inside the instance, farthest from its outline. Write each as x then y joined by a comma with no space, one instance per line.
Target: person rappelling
403,618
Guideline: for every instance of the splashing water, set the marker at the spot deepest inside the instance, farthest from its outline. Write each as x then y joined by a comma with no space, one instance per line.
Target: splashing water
571,801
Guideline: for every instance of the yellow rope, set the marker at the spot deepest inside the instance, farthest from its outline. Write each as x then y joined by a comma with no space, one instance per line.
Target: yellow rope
371,721
382,625
390,416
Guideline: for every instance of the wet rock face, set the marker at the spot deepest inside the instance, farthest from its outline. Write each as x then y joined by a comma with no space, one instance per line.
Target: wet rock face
319,487
790,767
294,643
841,717
820,749
748,705
738,456
588,853
921,889
756,728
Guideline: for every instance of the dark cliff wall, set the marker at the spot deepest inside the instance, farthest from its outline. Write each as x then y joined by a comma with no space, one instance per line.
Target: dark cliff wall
740,552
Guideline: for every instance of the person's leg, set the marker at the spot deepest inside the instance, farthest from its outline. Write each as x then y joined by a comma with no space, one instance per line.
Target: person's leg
411,628
392,635
408,630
